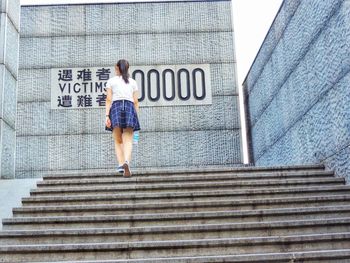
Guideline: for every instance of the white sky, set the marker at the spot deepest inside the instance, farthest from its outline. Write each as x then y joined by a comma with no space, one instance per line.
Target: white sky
252,20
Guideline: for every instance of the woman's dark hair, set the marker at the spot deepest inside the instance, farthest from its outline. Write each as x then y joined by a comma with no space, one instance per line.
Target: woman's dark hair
123,66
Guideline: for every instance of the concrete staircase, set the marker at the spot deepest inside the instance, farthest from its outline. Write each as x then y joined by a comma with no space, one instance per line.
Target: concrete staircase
252,214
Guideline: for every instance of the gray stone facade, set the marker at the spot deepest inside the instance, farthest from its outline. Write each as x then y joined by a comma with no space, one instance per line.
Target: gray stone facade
297,90
9,41
164,33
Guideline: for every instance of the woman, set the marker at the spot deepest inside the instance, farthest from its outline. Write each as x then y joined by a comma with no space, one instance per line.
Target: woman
122,107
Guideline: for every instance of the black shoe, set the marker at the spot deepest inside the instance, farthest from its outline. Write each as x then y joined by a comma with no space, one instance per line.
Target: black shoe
120,169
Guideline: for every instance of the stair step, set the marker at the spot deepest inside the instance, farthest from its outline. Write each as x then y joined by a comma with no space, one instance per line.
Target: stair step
253,214
182,196
182,232
173,248
133,220
183,178
336,256
191,171
115,209
190,186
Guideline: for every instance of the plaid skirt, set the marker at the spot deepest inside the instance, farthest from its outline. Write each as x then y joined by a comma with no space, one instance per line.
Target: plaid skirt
123,115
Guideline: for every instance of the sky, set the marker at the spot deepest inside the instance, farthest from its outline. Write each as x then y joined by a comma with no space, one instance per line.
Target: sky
251,22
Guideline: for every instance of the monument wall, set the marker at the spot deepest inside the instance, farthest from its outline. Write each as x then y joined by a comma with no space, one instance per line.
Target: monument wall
162,35
297,90
9,39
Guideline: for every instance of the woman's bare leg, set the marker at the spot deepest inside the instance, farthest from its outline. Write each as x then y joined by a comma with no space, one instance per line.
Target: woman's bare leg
127,143
118,145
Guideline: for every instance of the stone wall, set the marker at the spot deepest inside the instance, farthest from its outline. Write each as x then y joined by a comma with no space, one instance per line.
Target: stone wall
164,33
9,39
297,90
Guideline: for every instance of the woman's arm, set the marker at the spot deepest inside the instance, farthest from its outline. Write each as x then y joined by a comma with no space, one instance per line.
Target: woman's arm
136,101
108,106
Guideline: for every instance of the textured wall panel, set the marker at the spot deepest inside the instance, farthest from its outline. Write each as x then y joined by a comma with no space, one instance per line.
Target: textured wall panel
320,133
34,84
7,146
307,119
2,79
38,119
223,79
159,149
9,21
32,153
8,97
139,49
320,70
297,38
33,48
12,9
3,19
115,18
11,54
35,119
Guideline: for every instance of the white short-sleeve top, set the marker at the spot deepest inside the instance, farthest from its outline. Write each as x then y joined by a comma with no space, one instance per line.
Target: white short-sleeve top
120,89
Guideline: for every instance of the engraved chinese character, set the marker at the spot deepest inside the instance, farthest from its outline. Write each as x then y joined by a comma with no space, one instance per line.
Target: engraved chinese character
103,73
84,101
65,101
84,74
101,100
65,75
